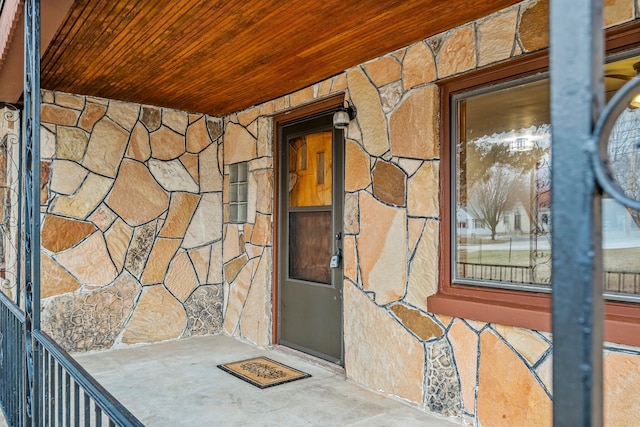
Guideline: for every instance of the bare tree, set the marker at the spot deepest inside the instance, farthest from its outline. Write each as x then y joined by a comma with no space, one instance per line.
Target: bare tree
624,156
491,197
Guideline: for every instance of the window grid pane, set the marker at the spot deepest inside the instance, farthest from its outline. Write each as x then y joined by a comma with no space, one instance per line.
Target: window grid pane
238,192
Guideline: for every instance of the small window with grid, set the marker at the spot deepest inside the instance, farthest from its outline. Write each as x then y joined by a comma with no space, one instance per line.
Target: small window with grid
238,191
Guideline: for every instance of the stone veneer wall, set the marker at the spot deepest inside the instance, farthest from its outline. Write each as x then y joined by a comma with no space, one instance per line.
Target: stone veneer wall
488,374
131,203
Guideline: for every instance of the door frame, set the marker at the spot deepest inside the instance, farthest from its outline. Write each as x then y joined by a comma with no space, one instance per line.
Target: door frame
300,113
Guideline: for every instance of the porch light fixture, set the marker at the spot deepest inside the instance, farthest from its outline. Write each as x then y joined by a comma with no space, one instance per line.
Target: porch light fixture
343,115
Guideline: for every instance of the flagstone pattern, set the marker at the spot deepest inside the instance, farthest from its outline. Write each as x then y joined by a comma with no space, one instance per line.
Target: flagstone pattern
485,374
138,247
132,222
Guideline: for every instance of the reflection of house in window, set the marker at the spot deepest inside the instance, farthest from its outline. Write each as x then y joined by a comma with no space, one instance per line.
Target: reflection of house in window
477,223
517,221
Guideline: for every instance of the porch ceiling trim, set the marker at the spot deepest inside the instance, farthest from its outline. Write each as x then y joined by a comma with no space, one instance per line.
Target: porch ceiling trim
53,13
10,13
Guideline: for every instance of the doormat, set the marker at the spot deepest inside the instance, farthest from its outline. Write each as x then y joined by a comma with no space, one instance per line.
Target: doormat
263,372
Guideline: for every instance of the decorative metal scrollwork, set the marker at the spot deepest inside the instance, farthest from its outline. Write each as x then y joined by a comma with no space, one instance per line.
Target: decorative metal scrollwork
540,236
10,200
602,132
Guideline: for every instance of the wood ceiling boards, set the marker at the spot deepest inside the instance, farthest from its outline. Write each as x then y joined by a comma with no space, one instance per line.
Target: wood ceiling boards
218,57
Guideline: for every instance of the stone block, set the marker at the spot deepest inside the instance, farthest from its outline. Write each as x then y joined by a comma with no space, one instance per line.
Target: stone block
139,146
59,233
124,113
90,320
533,29
134,182
210,169
151,118
382,249
496,37
255,321
421,325
384,70
206,223
458,52
369,334
442,394
55,280
58,115
389,183
418,66
181,278
167,144
70,101
508,392
181,209
118,238
423,192
423,268
89,262
357,173
204,310
175,120
106,148
197,136
172,175
239,144
161,255
91,114
67,177
413,126
85,200
464,342
71,143
158,316
139,248
364,96
529,345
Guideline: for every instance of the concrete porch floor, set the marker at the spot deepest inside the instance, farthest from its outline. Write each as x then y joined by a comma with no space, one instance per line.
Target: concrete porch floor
177,383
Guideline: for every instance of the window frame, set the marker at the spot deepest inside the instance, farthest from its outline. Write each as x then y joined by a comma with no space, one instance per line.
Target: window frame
454,134
531,310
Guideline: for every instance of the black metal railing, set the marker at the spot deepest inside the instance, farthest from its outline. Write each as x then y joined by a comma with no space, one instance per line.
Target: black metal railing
627,282
69,395
502,273
12,361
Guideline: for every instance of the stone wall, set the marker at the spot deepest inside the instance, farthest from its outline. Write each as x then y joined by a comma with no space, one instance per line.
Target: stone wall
247,248
131,202
486,374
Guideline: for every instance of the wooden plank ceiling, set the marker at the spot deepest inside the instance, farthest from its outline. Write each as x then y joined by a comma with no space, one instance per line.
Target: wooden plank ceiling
218,57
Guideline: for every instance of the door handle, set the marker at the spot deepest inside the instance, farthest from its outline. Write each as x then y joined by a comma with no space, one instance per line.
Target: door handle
337,254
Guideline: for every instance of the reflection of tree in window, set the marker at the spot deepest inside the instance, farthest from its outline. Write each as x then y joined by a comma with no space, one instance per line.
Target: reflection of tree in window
492,197
623,156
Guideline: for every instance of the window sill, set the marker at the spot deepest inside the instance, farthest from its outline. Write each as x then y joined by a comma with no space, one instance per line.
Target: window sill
622,323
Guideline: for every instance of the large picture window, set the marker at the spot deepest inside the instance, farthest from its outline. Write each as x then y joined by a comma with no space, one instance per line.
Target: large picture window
495,195
502,150
501,178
